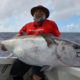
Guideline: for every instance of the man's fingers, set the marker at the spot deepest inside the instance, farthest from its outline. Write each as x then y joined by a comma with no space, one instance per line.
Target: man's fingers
3,48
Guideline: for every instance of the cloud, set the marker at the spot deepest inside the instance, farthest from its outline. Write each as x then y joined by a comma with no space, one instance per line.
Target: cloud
64,9
71,27
20,9
11,7
9,28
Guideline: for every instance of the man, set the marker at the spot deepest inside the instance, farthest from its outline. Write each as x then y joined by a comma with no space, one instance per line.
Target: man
40,24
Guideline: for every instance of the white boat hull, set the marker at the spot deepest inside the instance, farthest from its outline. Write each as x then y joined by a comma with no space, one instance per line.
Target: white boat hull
5,66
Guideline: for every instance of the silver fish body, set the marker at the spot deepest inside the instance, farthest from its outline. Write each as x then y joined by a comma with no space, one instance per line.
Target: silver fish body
44,50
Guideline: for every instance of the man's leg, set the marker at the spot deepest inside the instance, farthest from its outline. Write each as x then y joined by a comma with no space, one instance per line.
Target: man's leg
19,69
18,78
37,74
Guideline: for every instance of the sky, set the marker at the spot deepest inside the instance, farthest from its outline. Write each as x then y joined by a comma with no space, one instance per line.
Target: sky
14,14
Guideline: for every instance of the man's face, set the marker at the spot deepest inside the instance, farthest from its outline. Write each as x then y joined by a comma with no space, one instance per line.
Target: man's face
39,15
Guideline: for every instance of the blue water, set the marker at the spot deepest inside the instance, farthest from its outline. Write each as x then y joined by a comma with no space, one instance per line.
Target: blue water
69,36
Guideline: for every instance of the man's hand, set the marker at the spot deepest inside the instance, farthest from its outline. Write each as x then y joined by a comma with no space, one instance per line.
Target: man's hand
36,77
3,48
17,35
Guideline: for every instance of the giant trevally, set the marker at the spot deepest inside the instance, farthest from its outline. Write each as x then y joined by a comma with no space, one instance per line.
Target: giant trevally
44,50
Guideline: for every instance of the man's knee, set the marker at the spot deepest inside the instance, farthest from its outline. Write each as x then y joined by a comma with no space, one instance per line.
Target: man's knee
36,77
37,74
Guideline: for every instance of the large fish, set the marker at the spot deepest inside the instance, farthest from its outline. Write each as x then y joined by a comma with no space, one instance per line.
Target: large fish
44,50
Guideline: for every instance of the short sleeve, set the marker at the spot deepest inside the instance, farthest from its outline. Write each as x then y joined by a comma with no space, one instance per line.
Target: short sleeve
55,30
23,29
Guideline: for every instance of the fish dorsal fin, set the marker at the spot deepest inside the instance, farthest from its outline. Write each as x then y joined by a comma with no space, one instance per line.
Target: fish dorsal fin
48,38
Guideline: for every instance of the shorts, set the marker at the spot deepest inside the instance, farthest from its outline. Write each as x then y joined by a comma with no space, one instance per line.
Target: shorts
19,69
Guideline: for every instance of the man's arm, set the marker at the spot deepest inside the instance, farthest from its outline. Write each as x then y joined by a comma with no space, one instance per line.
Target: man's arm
55,30
17,35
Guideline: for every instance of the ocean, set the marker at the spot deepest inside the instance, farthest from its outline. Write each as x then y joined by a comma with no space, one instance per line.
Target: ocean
65,35
68,36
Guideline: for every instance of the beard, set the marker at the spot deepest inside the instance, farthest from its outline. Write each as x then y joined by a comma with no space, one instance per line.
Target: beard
39,18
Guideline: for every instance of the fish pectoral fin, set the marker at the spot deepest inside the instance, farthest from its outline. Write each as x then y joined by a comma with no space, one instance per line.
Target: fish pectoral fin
46,68
10,55
48,38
